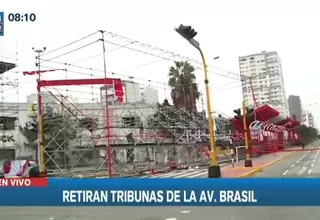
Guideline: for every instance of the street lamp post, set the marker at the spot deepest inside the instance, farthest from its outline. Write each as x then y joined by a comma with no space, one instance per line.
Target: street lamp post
188,33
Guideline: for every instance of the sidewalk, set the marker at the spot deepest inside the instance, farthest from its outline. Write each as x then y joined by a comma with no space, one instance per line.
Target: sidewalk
239,171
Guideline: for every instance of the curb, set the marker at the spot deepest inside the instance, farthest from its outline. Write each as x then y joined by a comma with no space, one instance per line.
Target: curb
251,173
260,169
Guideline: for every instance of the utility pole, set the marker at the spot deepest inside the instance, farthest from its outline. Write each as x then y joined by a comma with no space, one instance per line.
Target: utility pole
39,114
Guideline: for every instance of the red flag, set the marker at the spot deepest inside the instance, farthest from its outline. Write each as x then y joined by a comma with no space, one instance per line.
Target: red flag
38,72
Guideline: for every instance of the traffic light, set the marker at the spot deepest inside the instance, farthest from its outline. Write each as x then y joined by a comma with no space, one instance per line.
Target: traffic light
249,112
238,113
186,31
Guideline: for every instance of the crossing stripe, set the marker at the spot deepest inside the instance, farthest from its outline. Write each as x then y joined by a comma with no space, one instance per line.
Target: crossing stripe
198,173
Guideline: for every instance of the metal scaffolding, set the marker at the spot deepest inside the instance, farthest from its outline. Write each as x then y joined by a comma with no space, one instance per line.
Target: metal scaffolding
9,103
88,131
141,136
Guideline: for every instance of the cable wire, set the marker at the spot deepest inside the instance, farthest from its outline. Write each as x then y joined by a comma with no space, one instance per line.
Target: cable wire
79,48
235,75
90,35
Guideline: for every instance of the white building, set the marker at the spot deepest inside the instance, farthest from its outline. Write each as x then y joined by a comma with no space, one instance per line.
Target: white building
264,70
121,118
149,95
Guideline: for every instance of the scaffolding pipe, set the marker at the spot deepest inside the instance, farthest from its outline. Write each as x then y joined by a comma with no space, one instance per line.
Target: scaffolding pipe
106,109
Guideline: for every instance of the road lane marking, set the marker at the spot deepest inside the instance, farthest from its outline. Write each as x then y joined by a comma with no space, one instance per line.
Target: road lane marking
285,172
306,163
190,173
312,164
304,168
316,157
167,175
171,218
292,165
305,155
204,173
309,171
185,212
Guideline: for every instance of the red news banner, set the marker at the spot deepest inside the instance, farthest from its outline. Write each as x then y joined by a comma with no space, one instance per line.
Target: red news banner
23,182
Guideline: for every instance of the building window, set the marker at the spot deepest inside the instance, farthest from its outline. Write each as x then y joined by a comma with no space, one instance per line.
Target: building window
131,121
7,123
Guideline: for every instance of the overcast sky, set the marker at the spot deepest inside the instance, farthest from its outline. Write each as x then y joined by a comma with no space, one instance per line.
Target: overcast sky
226,28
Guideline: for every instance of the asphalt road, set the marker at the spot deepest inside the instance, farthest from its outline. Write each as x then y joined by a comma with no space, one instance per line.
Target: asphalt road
299,164
154,213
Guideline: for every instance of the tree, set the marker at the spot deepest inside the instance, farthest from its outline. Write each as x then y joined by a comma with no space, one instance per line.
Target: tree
182,80
308,134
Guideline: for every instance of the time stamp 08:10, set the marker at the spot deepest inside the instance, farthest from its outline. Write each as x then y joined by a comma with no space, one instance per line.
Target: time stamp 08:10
15,17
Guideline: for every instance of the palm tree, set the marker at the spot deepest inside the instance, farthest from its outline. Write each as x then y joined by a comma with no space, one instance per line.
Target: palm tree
182,80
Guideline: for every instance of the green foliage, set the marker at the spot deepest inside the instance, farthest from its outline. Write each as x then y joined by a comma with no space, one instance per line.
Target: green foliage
307,133
184,94
182,80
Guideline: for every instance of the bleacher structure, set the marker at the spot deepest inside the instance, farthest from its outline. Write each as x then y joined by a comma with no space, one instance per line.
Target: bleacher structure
9,103
100,125
140,136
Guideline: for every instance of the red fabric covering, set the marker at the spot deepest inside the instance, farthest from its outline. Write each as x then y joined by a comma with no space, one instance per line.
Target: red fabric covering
118,89
265,113
284,122
6,166
19,167
115,91
23,168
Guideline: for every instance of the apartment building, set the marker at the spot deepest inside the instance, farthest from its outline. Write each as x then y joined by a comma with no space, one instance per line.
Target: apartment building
262,76
295,107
